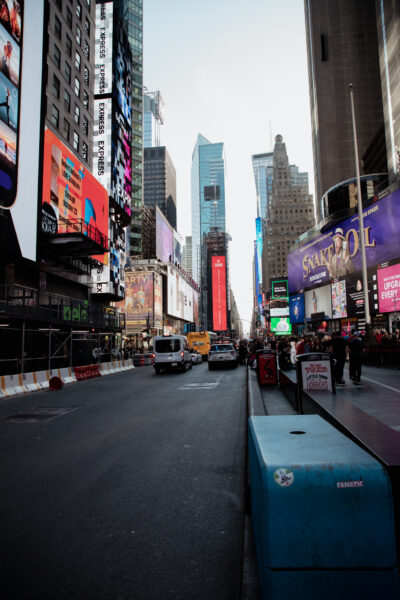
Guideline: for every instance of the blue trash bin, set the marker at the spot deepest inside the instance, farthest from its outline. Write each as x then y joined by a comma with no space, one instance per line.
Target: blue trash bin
322,513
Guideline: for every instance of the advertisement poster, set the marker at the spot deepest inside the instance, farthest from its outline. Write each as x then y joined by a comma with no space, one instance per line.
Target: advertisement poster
297,309
180,296
389,289
316,375
281,326
218,269
318,303
339,302
138,299
164,238
259,249
73,200
158,307
280,288
317,261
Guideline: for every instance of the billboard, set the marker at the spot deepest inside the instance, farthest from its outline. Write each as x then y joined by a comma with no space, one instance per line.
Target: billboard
328,257
103,48
139,300
218,270
158,299
348,296
71,197
164,238
259,249
102,154
30,131
318,303
180,295
339,299
389,289
279,288
297,309
281,326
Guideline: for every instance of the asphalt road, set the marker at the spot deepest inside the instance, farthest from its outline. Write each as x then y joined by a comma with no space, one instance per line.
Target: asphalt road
137,493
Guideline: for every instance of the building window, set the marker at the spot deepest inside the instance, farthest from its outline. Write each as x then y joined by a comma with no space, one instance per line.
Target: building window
59,4
88,3
77,116
68,45
78,61
57,27
87,26
67,101
84,150
86,75
67,72
55,115
69,18
75,142
66,129
78,35
77,88
85,125
57,56
79,10
87,50
56,86
85,99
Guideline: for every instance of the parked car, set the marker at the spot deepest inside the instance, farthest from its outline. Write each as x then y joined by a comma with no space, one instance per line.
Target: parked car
197,358
171,352
222,355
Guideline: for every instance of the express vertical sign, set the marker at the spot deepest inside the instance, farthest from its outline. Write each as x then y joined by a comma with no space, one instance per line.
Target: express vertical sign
218,269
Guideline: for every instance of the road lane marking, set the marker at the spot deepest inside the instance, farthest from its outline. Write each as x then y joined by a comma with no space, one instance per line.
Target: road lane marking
382,384
199,386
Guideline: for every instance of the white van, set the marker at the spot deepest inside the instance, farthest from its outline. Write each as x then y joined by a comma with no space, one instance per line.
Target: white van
171,352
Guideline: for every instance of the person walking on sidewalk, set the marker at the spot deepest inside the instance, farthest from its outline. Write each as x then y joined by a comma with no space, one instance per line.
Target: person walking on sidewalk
338,346
356,348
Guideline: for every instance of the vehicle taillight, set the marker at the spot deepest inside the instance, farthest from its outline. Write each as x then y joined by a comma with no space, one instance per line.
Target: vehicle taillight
153,356
182,354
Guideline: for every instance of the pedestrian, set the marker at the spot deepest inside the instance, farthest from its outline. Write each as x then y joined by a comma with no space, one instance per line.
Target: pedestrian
356,348
285,363
338,345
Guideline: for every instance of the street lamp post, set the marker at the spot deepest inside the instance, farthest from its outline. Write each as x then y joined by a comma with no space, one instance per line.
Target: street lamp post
361,219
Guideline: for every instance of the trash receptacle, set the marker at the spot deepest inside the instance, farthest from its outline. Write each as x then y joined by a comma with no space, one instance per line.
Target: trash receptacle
267,367
322,513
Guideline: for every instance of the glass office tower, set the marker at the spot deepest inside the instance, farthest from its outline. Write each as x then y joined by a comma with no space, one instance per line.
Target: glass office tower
208,210
261,162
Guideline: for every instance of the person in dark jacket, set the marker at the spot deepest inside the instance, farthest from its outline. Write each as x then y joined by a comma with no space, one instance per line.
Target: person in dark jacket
356,348
338,345
285,363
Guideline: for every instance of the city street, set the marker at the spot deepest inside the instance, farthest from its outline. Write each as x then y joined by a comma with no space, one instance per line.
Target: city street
136,493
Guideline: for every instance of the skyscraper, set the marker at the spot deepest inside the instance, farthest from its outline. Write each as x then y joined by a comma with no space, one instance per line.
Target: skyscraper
152,118
208,205
133,18
342,49
263,180
289,214
160,182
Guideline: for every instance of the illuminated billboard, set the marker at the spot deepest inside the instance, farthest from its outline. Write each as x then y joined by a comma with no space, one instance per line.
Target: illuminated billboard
158,300
281,326
219,304
318,303
259,249
297,308
72,200
109,277
139,300
164,238
103,48
280,288
389,289
180,295
102,152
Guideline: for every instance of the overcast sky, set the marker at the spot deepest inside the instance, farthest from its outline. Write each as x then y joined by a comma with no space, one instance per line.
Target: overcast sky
237,73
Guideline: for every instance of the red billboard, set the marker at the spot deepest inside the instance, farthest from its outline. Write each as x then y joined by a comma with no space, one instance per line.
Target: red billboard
218,268
72,198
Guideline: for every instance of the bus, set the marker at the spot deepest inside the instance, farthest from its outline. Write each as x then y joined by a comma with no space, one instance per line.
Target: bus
201,341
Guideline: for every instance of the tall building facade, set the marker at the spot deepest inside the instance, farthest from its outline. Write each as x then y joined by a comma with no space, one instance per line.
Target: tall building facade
342,47
160,182
187,255
262,169
152,118
289,214
208,206
133,19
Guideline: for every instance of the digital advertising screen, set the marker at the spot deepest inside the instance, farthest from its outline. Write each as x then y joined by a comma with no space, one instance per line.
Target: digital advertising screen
336,253
158,297
297,309
280,288
70,193
180,296
318,302
281,325
389,288
10,77
339,299
218,271
103,48
102,150
138,303
164,238
259,249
